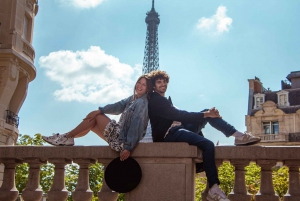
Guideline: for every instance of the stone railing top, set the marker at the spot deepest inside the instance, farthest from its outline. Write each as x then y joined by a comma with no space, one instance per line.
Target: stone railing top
145,150
153,150
257,152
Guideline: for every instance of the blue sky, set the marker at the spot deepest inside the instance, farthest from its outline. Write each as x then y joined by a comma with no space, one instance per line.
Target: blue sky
90,52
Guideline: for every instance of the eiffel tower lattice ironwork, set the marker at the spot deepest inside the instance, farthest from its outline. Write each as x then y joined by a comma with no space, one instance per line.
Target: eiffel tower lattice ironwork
151,56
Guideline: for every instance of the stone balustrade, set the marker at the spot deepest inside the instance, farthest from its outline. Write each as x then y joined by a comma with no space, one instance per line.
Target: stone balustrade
275,138
168,171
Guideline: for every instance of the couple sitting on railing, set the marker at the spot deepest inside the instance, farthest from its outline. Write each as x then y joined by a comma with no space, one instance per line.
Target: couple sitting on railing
169,124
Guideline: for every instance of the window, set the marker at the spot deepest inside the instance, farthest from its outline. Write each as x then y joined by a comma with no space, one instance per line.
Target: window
259,99
27,28
271,127
283,98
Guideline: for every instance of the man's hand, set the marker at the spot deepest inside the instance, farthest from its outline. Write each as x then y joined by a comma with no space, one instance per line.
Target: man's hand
92,115
124,155
212,113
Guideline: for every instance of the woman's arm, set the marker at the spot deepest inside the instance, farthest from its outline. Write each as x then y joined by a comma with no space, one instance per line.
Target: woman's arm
115,108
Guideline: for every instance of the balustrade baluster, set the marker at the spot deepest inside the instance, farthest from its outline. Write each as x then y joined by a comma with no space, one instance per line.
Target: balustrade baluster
266,192
82,191
58,191
33,191
293,193
8,190
105,192
239,189
205,192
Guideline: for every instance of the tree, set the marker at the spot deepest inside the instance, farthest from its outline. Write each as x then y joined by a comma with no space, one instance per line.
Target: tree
96,172
252,179
252,176
22,170
226,177
200,187
280,180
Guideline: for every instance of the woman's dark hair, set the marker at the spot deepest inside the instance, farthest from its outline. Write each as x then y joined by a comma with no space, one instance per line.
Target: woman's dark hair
149,84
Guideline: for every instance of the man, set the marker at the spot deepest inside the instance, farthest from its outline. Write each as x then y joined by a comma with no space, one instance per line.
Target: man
170,124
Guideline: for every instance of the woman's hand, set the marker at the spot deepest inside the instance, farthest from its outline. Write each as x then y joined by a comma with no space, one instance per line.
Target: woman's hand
92,115
124,155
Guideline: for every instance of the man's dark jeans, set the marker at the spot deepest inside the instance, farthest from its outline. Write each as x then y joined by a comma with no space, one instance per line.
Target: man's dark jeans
191,134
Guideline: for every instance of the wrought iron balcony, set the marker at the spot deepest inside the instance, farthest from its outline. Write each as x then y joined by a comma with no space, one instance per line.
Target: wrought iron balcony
12,118
294,137
168,171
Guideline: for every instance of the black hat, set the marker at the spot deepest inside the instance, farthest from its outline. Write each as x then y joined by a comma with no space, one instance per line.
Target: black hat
123,176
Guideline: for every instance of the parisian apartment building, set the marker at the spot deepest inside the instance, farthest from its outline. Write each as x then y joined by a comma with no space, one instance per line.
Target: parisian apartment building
275,115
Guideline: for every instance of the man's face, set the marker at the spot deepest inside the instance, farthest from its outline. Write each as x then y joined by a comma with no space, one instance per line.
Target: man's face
161,86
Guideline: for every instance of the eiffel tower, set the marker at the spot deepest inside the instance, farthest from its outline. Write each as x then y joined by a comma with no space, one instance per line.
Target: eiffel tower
151,56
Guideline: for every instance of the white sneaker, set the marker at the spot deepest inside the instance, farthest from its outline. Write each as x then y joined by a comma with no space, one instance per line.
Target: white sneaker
51,139
246,139
62,140
218,195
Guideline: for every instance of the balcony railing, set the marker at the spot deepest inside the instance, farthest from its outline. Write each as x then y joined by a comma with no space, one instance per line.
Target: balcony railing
168,171
274,137
28,50
12,118
294,137
290,137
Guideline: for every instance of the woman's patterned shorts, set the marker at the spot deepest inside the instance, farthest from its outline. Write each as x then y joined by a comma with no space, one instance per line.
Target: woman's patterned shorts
111,133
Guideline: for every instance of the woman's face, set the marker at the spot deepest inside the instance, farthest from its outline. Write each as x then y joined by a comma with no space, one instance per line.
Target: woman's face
141,87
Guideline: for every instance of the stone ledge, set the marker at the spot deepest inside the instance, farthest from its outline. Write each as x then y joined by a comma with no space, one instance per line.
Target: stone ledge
145,150
152,150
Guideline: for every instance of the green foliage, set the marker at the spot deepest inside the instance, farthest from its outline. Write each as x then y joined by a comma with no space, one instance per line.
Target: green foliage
46,176
252,178
27,140
22,170
96,172
226,177
252,174
200,186
96,175
71,178
121,197
21,176
280,180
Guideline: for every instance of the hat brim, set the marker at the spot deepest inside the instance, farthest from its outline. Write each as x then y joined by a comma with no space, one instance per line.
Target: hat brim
123,176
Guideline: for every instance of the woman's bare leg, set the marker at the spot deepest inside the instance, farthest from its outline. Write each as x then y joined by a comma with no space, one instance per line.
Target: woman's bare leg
87,124
82,129
101,123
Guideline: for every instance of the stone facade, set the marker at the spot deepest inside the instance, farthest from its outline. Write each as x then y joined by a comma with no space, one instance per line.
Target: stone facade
275,115
16,63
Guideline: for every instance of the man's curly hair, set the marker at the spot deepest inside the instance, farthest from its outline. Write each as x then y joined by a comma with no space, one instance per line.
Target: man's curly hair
158,74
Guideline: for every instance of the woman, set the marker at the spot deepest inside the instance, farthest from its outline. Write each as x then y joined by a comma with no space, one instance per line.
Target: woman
122,136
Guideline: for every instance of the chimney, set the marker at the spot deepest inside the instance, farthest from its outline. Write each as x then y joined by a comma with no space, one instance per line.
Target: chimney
294,78
255,85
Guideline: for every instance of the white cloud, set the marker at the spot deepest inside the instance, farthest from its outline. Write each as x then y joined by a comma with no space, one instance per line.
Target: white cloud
217,23
89,76
82,3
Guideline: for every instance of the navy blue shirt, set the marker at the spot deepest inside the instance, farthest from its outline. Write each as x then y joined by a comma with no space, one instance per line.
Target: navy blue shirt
162,113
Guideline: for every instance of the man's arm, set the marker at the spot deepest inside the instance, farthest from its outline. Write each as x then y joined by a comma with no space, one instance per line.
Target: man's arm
165,109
